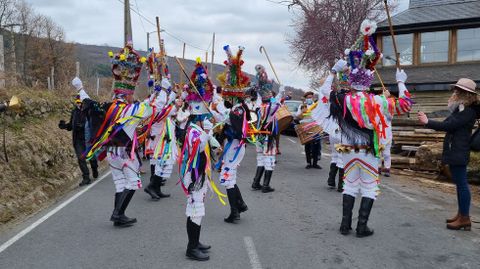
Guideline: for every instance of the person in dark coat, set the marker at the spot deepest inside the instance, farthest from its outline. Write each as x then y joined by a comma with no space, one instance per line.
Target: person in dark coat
456,147
79,127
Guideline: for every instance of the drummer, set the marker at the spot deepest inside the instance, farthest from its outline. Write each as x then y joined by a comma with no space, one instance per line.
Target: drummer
313,148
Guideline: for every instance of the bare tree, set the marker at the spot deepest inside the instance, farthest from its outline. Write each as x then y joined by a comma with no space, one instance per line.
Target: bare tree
325,28
7,11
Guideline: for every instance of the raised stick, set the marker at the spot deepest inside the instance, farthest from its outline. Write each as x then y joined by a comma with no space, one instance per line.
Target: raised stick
397,55
270,62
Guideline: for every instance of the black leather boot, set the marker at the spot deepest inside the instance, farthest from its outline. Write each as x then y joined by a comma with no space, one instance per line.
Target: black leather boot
158,188
341,173
266,182
150,189
331,175
118,216
241,205
258,176
193,252
86,180
363,214
348,202
232,200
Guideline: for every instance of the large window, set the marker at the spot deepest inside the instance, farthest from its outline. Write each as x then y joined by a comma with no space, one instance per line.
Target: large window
404,46
434,47
468,45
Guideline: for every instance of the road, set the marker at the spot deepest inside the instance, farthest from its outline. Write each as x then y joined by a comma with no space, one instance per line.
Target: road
294,227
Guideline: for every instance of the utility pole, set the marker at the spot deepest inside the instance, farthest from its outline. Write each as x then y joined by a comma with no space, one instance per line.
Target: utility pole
77,69
52,78
148,41
213,53
128,23
14,58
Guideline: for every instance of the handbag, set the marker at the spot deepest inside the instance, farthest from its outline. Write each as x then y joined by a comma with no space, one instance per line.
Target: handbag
475,140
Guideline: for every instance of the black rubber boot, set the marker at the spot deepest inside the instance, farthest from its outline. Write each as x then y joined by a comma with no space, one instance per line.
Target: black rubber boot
232,200
94,166
193,252
363,214
203,248
158,188
258,176
331,175
266,182
348,202
341,173
118,216
85,181
241,205
150,189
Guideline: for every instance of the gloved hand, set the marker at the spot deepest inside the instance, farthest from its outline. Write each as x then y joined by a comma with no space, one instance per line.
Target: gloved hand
62,124
401,76
339,65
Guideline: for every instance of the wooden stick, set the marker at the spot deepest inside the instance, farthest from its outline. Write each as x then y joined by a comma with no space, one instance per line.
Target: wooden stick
193,84
380,79
397,54
270,62
183,58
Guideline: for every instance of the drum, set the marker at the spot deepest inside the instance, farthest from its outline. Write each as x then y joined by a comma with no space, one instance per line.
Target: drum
307,132
284,118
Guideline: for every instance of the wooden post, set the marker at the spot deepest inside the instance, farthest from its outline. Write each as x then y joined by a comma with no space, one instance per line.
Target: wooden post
98,82
183,59
128,36
148,41
213,52
77,69
52,78
49,84
206,58
2,64
14,59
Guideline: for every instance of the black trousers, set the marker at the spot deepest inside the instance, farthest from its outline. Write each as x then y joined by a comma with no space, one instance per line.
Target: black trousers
80,148
313,151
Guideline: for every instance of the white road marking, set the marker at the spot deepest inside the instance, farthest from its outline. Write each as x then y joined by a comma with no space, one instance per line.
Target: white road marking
291,140
399,193
34,225
327,154
303,152
252,253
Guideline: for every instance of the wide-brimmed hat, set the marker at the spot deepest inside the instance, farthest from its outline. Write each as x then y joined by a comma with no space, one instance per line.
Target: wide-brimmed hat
466,84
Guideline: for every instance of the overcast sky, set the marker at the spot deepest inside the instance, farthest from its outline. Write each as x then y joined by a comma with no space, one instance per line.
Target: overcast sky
249,23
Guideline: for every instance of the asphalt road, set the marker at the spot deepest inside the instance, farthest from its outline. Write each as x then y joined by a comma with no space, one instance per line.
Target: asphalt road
294,227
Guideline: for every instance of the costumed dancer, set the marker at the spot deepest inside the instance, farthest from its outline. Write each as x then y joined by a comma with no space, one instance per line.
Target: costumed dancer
195,160
387,142
81,130
234,83
161,143
117,136
266,129
361,118
314,147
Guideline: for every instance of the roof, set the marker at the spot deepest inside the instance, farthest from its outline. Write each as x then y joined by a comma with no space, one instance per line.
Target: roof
426,12
434,74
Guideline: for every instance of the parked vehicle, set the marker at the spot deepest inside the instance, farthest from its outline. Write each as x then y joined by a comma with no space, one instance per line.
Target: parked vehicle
292,106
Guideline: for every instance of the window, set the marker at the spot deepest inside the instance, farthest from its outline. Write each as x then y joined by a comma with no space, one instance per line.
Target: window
468,45
434,47
404,46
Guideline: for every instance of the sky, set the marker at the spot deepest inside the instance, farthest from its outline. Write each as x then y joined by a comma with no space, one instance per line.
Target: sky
247,23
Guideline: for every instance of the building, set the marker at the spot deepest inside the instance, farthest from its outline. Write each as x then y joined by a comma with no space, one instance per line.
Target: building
438,42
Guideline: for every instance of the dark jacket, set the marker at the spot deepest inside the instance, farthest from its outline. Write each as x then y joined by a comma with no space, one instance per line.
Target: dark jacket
459,125
76,125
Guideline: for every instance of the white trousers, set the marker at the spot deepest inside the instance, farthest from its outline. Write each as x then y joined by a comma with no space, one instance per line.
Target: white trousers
386,155
265,158
336,156
196,203
228,173
125,171
361,174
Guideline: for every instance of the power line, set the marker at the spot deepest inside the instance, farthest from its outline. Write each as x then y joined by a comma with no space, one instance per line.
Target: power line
136,11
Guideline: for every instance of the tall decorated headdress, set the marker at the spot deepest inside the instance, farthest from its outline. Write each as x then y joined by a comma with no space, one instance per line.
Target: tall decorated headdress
126,68
158,70
362,57
204,86
233,81
264,84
